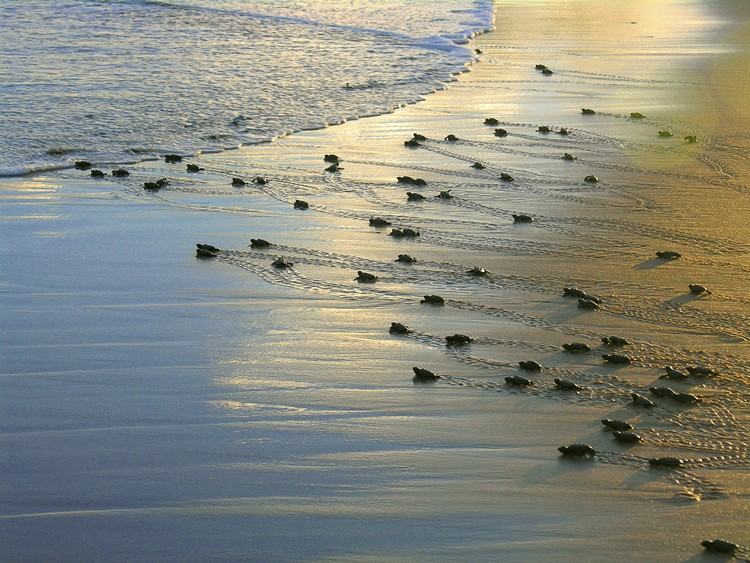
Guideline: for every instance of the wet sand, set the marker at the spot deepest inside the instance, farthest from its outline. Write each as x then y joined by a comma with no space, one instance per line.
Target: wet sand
155,406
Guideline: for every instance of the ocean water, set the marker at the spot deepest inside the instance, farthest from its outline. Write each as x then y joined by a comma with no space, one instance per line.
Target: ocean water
121,81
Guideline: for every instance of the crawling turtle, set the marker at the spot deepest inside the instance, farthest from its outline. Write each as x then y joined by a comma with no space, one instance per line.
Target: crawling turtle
282,263
477,271
238,182
500,132
530,365
433,300
540,66
82,164
568,156
478,51
398,328
585,303
577,450
172,158
478,166
412,196
97,174
379,222
260,180
563,131
691,139
619,425
565,385
544,129
616,359
587,111
300,204
491,121
403,233
591,179
519,381
626,437
720,546
204,253
458,340
672,373
667,254
421,374
405,259
667,392
412,144
151,186
671,462
193,168
637,115
547,72
641,401
701,371
333,168
162,182
576,347
505,177
418,137
522,218
208,248
411,181
614,341
664,134
259,243
688,398
332,158
364,277
574,292
451,138
120,173
445,194
697,289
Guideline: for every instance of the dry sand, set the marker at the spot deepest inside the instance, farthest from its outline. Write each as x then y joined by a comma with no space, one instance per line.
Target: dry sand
158,407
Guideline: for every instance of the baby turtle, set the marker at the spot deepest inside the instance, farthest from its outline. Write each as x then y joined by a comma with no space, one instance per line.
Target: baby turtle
576,347
405,259
451,138
446,194
120,173
418,137
500,132
667,254
540,67
478,51
332,168
577,450
172,158
665,462
410,181
563,131
697,289
412,144
585,303
720,546
491,121
616,358
573,292
619,425
379,222
260,180
637,115
458,340
544,129
587,111
208,248
626,437
82,164
672,373
641,401
433,300
238,182
259,243
688,398
518,381
505,177
530,365
547,72
204,253
568,156
193,168
667,392
300,204
421,374
565,385
398,328
614,341
97,174
151,186
691,139
162,182
664,134
282,263
701,371
522,218
403,233
332,158
478,166
412,196
477,271
364,277
591,179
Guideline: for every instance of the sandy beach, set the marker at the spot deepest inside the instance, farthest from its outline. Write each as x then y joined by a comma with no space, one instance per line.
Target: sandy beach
155,406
